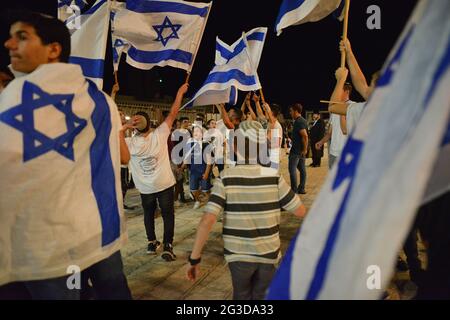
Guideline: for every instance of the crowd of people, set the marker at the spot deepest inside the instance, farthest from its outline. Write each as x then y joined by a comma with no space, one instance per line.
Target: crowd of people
232,163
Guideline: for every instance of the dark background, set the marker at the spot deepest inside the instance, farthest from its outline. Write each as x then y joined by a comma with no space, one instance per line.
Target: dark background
297,66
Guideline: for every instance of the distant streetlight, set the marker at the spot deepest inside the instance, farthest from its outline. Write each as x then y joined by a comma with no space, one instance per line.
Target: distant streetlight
160,80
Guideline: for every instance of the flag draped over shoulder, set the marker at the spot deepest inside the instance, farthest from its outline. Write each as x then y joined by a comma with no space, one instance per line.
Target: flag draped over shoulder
295,12
162,33
368,203
235,69
89,34
61,201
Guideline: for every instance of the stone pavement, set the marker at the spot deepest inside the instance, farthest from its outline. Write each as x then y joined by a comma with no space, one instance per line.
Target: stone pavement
150,277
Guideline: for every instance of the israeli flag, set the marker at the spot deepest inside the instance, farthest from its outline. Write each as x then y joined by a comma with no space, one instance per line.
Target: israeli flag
69,8
60,196
119,45
88,41
235,69
295,12
348,244
162,33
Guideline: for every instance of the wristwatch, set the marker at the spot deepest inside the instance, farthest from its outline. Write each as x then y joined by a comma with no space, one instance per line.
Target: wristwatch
194,262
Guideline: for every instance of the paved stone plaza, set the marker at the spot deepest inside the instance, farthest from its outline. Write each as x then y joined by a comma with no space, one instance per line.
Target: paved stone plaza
150,277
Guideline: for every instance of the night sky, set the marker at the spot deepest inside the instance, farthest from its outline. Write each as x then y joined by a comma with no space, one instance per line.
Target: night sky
298,66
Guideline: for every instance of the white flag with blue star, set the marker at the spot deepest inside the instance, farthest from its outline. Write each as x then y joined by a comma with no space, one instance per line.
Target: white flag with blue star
348,244
295,12
88,40
162,33
119,45
60,196
235,69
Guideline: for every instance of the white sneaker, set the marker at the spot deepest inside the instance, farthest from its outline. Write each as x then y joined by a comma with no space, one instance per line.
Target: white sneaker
196,205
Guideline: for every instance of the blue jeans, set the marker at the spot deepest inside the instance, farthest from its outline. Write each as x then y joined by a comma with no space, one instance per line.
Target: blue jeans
196,181
297,162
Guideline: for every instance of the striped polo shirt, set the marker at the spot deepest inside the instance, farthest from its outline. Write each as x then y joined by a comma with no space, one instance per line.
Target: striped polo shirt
251,198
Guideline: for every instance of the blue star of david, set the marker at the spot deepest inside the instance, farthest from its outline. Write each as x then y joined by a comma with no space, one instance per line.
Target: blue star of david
117,44
36,143
166,24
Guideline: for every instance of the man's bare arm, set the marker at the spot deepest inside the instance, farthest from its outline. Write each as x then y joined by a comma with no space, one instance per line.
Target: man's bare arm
358,78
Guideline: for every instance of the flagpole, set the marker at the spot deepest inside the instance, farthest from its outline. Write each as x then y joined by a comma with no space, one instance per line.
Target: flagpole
344,33
188,75
196,49
262,95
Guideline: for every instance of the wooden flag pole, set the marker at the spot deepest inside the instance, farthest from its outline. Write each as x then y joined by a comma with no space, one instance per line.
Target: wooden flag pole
332,102
188,76
344,33
115,77
262,95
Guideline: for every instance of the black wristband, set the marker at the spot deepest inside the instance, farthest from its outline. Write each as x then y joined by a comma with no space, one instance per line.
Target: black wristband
194,262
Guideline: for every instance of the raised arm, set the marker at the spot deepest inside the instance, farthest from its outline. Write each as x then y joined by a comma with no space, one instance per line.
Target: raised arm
259,110
358,78
124,152
339,108
176,105
250,109
244,103
114,91
224,114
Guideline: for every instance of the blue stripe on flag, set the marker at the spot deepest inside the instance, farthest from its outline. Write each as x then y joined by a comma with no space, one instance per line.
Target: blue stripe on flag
233,96
95,7
280,287
441,70
226,54
287,6
236,74
158,56
345,171
446,139
337,14
257,36
90,11
102,170
141,6
92,68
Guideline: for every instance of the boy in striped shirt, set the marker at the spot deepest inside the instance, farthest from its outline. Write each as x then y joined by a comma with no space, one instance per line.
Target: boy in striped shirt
251,197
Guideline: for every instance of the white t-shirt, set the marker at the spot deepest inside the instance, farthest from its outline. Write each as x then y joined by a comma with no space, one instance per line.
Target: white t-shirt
150,163
337,137
354,112
275,153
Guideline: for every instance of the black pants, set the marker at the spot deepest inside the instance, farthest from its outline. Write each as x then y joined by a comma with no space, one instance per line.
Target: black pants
124,181
165,202
316,154
434,225
107,277
108,280
412,254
